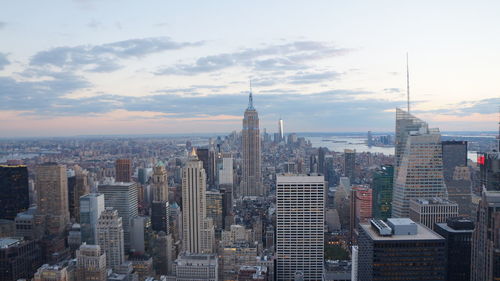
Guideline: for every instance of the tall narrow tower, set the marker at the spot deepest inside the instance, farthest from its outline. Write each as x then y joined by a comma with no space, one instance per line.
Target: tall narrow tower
159,206
280,128
251,183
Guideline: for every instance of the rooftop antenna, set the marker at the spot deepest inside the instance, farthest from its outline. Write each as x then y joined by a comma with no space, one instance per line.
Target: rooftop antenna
250,97
407,84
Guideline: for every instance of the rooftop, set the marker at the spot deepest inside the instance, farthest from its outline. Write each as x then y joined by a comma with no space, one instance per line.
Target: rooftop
300,178
423,233
9,241
434,201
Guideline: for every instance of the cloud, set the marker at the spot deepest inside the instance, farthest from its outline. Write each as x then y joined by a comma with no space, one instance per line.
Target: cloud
290,56
105,57
466,108
2,24
392,90
3,61
311,77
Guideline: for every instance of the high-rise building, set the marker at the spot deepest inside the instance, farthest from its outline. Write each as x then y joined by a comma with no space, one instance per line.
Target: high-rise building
360,209
350,164
19,258
458,234
214,208
91,207
300,220
162,252
420,172
399,250
110,237
194,218
123,197
486,238
123,169
236,256
432,210
51,273
14,190
251,182
160,205
321,160
90,263
224,174
52,204
280,129
489,170
139,234
382,186
77,187
207,156
369,139
196,267
457,175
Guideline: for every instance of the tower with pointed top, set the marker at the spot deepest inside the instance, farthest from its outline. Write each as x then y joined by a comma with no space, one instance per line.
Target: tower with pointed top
159,206
251,182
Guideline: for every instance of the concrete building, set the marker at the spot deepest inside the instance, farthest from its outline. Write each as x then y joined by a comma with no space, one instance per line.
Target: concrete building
162,249
123,197
19,258
250,273
123,170
432,210
27,226
420,172
214,209
52,203
189,267
91,207
360,209
224,168
196,226
236,256
77,187
139,234
300,220
51,273
458,234
486,238
14,190
251,181
110,237
90,263
399,250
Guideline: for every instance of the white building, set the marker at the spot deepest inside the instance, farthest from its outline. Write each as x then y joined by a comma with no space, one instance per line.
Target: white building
90,263
110,237
300,226
190,267
432,210
225,169
91,207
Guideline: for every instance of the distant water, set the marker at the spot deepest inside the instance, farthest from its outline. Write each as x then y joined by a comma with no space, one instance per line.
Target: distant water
339,143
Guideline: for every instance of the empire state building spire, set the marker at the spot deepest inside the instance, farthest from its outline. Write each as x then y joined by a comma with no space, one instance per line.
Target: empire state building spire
250,99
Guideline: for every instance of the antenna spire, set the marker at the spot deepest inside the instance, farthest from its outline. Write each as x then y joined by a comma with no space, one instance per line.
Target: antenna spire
407,84
250,97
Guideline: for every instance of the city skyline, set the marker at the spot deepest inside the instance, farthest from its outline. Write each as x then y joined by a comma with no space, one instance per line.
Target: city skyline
89,71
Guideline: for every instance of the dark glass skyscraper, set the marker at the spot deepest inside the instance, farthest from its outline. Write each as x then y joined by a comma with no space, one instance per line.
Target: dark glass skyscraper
457,175
489,165
382,192
350,164
14,191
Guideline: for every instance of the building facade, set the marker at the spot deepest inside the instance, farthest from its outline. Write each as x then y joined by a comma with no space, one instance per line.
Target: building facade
91,207
90,263
19,258
457,175
110,238
123,170
14,190
432,210
382,186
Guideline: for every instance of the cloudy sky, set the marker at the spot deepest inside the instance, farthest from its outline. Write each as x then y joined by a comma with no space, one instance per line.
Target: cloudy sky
159,67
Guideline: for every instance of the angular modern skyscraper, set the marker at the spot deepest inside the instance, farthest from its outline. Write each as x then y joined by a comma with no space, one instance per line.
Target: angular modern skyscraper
14,191
196,226
52,204
420,170
300,202
251,182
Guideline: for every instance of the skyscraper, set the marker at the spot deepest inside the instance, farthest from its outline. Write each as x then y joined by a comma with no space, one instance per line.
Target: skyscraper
350,164
486,238
360,209
382,192
123,169
300,220
159,206
19,258
420,172
489,170
457,175
90,263
77,187
432,210
123,197
14,190
280,130
51,273
52,204
194,216
251,182
321,160
110,237
224,164
91,207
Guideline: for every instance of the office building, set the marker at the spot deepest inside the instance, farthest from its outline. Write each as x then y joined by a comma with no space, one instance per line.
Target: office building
350,164
27,226
360,209
207,156
143,265
110,237
77,187
432,210
123,197
162,251
300,220
123,170
52,203
420,172
486,238
52,273
139,234
224,164
196,267
194,218
236,256
382,186
399,250
91,207
144,174
160,206
214,208
489,170
90,263
457,231
14,190
457,175
321,160
19,258
251,181
251,273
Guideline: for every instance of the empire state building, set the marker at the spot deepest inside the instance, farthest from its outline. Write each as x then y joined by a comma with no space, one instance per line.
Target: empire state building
251,183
